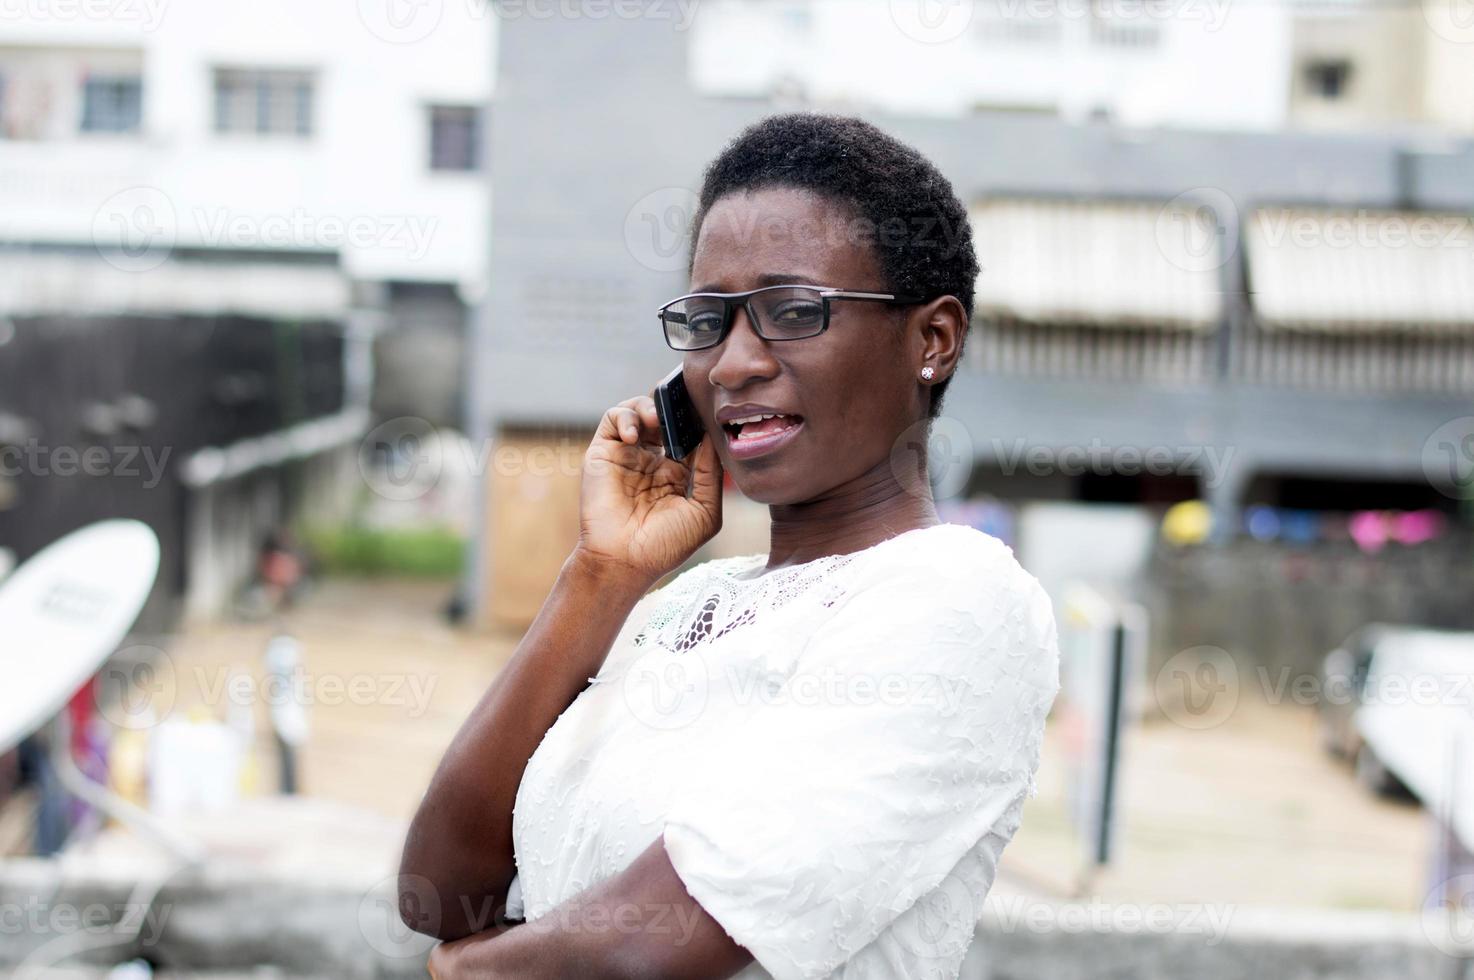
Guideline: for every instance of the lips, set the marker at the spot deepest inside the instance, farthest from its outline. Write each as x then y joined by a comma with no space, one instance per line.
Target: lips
759,425
760,434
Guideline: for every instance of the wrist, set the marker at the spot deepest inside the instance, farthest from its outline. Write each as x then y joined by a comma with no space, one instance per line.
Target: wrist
606,574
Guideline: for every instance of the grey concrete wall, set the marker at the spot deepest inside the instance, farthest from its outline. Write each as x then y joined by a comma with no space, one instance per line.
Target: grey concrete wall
222,924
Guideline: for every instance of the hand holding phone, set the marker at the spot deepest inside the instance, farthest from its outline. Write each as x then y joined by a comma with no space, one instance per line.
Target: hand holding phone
652,483
680,425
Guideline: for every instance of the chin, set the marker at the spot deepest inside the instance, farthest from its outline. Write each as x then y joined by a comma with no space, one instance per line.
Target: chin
767,485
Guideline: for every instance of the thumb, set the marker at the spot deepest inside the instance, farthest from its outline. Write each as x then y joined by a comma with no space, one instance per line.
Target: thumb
706,477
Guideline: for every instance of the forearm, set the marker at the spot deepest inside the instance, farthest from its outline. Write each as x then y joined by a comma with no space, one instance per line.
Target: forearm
641,924
460,840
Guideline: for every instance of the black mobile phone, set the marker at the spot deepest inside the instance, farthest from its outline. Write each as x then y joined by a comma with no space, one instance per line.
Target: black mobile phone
680,427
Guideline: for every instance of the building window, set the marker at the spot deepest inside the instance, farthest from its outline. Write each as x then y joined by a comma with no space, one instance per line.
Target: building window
1112,27
267,102
796,17
1328,79
1017,30
112,104
1006,24
455,135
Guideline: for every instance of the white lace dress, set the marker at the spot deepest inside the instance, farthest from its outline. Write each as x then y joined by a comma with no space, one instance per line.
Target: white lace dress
836,752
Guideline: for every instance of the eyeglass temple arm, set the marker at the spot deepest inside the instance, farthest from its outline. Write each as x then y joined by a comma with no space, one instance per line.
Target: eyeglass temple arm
830,294
882,297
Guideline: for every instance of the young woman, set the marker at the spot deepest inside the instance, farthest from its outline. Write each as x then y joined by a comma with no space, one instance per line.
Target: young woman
798,764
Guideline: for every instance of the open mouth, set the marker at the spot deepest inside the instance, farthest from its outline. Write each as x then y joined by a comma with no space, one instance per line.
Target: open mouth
756,434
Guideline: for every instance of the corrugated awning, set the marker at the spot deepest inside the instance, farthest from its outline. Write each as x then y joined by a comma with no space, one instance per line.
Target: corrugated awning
86,283
1360,270
1105,263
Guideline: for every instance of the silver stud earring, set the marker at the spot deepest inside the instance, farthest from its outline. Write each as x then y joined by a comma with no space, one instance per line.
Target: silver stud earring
926,373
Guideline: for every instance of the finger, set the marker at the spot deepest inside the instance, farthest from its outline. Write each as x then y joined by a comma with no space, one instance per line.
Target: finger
646,407
706,477
620,424
642,404
649,419
638,411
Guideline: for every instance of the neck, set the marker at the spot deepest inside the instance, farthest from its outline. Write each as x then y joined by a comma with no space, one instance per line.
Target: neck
856,515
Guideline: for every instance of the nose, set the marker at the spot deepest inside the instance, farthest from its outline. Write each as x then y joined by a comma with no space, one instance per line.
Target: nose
742,356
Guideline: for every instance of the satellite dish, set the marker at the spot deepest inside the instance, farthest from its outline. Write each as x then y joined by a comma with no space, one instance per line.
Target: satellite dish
63,613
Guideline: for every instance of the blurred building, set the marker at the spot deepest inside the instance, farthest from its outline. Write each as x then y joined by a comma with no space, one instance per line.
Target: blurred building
1196,64
1274,318
212,217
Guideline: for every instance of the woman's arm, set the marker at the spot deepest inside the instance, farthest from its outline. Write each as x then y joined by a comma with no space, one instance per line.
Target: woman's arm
639,924
637,523
460,842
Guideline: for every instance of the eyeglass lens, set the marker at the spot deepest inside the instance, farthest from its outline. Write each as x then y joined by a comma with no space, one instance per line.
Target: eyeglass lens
790,313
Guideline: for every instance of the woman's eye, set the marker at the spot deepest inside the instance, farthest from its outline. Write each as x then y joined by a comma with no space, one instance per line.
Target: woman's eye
798,313
706,321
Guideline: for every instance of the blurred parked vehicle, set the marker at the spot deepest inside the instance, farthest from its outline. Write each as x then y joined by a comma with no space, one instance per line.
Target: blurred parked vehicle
1395,701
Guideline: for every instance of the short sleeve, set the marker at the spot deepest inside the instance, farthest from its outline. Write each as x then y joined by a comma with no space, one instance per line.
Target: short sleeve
907,731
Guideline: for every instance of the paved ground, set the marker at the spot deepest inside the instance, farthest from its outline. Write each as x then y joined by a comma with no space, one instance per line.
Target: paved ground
1250,813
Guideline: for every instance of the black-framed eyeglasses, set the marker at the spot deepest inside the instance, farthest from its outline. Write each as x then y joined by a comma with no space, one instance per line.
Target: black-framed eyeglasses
697,321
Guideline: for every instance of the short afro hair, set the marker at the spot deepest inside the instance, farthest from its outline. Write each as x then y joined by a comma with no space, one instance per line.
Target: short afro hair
887,184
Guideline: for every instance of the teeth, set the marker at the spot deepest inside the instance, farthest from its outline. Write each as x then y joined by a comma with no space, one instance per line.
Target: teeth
740,422
755,418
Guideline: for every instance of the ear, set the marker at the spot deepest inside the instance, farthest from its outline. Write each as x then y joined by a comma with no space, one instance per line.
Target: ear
941,330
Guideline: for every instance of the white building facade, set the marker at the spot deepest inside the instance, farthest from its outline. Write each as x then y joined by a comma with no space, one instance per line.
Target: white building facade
1179,64
268,125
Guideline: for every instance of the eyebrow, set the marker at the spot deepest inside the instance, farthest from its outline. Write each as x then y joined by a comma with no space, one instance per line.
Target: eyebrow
768,279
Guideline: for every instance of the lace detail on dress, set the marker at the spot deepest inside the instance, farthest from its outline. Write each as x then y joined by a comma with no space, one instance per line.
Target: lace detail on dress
703,607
